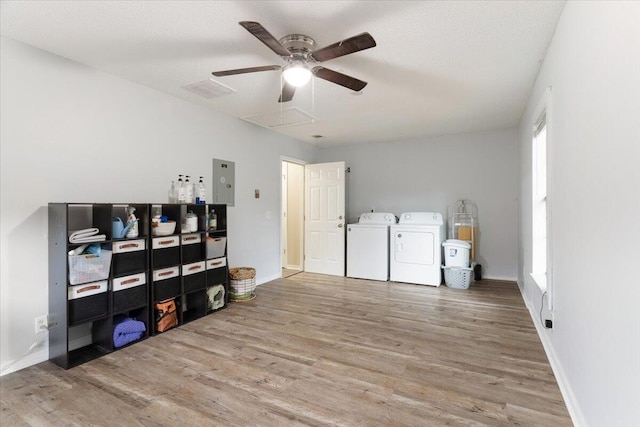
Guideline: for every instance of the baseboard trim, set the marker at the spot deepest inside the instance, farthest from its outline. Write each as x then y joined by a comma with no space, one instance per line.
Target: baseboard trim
34,358
268,279
563,383
501,278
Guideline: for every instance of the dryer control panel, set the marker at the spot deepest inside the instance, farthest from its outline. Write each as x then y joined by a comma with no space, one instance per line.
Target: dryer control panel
421,218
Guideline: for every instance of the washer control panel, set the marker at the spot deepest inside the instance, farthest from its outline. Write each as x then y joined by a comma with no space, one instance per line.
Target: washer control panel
377,218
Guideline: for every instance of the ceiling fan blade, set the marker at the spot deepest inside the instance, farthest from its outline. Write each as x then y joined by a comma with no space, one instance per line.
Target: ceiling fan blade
352,44
339,78
287,92
265,37
246,70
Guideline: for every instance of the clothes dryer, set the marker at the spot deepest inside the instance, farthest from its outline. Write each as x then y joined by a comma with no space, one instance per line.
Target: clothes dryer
416,248
368,246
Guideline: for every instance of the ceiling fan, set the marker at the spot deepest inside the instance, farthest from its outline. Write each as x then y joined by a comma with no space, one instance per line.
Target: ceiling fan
298,50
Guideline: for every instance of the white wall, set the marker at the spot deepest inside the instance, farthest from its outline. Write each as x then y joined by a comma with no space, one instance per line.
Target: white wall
430,174
72,134
593,67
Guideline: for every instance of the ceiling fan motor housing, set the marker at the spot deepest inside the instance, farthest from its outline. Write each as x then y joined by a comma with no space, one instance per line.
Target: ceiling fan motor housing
299,45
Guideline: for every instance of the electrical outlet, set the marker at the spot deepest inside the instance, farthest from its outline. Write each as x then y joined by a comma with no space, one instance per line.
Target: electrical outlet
42,324
548,320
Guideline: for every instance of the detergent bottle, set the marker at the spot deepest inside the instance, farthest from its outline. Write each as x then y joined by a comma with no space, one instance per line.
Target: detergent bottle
132,223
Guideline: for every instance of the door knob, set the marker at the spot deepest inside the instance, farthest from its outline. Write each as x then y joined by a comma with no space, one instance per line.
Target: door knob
340,217
340,225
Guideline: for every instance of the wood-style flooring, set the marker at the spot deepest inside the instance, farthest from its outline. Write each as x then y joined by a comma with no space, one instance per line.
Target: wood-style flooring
314,350
288,273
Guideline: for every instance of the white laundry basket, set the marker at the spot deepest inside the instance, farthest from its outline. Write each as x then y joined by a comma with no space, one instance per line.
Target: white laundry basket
456,253
458,277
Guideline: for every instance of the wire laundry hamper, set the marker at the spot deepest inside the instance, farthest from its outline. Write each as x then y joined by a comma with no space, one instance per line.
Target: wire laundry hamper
243,283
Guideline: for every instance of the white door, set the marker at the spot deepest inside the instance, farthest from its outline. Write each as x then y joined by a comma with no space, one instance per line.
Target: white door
324,223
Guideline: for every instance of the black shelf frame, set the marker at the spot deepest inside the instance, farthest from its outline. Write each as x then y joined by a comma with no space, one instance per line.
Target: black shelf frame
64,217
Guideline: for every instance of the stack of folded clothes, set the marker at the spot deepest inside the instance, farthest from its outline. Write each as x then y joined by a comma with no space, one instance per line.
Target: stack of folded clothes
126,330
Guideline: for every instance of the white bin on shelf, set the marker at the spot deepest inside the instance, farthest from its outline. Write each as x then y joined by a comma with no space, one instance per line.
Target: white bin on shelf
456,253
216,247
89,267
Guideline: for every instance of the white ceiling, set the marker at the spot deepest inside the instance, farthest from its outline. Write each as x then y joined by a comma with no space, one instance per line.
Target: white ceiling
439,67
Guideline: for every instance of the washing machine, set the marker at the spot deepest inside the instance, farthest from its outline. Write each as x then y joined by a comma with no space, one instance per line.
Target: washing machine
416,248
368,246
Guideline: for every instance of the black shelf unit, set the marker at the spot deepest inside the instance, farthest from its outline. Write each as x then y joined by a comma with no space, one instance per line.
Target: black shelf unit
82,327
141,271
183,264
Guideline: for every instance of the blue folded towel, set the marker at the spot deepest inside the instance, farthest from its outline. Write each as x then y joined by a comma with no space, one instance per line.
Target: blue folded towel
127,330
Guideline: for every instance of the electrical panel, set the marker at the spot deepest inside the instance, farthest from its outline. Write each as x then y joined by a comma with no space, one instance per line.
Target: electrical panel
223,188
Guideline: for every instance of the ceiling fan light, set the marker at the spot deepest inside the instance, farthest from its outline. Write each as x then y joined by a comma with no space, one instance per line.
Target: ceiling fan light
296,75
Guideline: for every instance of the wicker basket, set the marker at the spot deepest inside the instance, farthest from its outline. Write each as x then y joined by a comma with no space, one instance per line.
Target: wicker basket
458,277
243,283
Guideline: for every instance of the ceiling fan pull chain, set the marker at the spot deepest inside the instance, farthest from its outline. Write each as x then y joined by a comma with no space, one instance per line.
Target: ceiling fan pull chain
313,99
281,97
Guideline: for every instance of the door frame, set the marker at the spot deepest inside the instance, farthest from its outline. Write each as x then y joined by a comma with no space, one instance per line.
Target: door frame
283,214
283,233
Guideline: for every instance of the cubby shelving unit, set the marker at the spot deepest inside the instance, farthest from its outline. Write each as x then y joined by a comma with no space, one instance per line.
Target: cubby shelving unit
130,275
187,263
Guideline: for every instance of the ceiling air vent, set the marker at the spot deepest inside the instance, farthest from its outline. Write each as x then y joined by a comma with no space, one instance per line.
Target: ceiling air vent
209,89
292,116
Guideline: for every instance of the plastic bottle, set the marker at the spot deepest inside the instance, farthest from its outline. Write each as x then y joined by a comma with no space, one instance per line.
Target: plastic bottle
173,194
133,222
188,190
213,220
181,190
201,194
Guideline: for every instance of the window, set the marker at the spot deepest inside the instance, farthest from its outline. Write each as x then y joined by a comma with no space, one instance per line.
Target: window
540,271
539,203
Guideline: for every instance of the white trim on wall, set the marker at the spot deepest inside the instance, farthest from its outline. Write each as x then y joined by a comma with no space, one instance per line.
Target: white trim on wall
561,378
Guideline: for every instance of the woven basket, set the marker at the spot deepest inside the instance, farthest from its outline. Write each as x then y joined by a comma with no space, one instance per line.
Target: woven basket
242,283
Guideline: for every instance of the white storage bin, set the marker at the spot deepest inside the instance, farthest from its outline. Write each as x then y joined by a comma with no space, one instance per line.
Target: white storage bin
89,268
456,253
83,291
88,301
126,246
190,239
196,267
165,242
216,246
216,263
166,273
122,283
129,292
